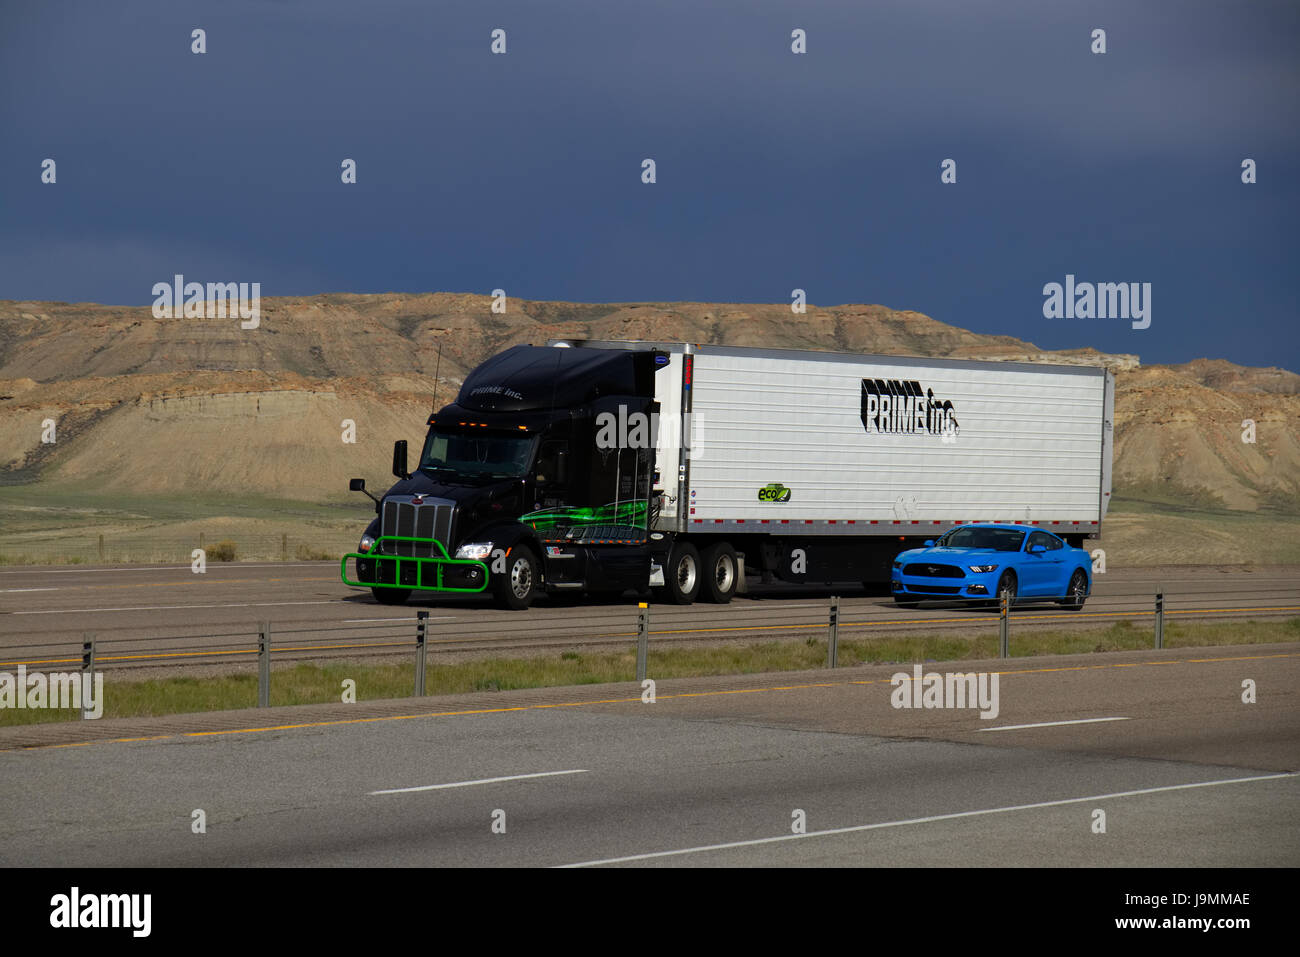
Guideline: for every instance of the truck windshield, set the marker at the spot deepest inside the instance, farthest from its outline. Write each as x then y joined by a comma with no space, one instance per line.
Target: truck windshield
477,456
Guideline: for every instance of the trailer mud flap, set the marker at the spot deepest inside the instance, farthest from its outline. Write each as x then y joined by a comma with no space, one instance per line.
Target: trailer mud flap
435,572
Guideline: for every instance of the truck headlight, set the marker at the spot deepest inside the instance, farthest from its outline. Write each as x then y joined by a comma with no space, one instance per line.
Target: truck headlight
982,569
367,543
477,551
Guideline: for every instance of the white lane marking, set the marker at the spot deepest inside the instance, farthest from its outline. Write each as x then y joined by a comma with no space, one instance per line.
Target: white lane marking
931,819
179,567
1051,724
254,604
11,590
465,784
353,621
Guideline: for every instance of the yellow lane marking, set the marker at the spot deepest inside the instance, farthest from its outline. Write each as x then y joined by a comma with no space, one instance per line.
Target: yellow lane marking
631,700
1062,617
202,654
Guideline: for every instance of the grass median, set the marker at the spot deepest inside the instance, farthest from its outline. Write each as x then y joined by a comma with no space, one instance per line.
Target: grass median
310,683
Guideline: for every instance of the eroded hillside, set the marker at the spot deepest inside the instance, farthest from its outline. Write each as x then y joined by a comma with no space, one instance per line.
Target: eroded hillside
201,406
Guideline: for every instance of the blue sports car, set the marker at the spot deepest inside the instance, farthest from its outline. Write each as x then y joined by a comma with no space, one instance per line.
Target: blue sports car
986,562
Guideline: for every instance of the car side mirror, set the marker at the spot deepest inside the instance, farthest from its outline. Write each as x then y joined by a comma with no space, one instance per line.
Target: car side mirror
929,543
1037,549
399,459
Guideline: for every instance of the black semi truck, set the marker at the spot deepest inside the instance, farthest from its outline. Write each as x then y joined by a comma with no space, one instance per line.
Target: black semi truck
604,466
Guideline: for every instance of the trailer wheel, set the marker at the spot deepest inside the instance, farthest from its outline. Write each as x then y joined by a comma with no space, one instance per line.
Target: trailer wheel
720,573
391,596
682,576
515,587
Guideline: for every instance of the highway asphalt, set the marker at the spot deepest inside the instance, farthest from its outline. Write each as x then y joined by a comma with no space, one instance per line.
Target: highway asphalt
1168,745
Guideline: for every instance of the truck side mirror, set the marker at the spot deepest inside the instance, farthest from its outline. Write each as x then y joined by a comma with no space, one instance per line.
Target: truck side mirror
399,459
562,467
359,485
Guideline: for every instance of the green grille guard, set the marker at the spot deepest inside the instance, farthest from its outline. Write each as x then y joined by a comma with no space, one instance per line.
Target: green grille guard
423,566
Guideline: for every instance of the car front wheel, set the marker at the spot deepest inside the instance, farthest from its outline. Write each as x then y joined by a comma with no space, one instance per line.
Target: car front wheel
1006,589
1077,593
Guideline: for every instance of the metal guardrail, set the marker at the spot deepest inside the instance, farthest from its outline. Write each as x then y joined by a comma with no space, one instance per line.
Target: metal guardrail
673,623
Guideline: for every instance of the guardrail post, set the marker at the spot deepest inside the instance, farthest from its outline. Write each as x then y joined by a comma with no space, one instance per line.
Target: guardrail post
1004,628
87,666
421,650
642,639
264,664
833,646
1160,618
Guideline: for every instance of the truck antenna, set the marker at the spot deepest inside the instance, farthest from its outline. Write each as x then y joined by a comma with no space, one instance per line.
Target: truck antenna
436,369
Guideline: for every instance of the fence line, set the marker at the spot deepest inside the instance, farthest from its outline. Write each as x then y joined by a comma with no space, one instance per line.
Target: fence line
95,651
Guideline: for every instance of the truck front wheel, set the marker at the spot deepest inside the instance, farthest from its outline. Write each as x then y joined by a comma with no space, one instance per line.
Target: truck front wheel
515,587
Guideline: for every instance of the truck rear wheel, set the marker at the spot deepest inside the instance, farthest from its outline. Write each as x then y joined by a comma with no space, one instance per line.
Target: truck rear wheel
391,596
720,573
515,587
682,576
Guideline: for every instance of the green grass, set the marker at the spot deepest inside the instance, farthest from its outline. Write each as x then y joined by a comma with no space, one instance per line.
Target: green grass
1148,531
51,524
323,683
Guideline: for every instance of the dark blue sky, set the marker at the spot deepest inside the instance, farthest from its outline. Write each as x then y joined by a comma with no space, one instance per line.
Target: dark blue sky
775,171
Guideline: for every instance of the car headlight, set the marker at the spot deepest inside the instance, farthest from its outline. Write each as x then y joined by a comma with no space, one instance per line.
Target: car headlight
367,543
477,551
981,569
898,564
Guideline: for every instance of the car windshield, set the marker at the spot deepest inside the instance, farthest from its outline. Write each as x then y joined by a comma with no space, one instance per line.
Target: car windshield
997,539
484,455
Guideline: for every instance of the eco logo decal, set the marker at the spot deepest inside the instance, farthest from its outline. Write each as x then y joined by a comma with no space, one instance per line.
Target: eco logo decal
774,492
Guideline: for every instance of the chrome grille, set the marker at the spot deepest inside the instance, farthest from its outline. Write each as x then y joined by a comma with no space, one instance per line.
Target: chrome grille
432,518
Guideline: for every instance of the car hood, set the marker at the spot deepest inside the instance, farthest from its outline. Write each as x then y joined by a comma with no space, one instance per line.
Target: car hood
944,554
